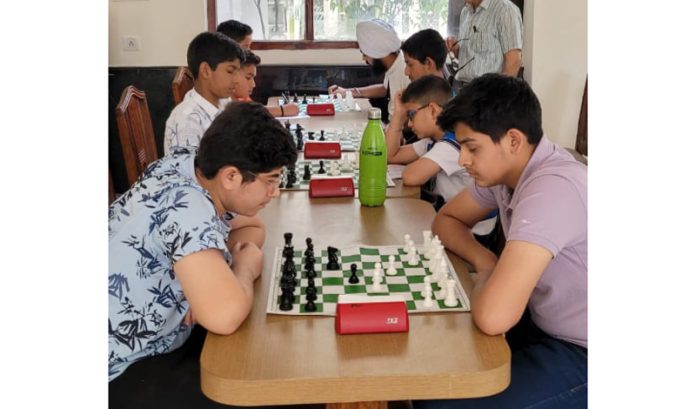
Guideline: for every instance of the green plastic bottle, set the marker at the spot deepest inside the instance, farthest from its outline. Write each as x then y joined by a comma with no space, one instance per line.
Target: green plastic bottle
372,185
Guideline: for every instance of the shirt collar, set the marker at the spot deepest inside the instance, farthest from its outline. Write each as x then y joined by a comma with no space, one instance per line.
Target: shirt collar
484,5
211,109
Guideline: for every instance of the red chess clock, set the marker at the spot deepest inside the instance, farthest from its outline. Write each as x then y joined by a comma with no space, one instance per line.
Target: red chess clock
360,314
321,109
331,187
322,150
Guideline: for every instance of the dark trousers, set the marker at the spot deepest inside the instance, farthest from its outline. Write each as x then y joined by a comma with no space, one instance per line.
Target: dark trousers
545,373
168,381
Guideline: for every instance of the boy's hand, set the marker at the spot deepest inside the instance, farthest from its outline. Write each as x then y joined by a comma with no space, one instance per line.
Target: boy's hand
399,109
247,260
291,109
335,89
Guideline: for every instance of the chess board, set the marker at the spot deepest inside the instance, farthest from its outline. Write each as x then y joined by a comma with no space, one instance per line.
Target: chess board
349,139
408,282
339,105
314,167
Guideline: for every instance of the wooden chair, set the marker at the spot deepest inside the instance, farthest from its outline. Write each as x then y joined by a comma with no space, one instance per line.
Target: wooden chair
135,131
182,83
112,192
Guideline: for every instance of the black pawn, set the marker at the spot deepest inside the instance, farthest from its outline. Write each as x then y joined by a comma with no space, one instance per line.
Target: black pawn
310,307
304,99
310,283
321,137
321,167
353,274
286,300
311,294
288,239
295,99
307,174
311,273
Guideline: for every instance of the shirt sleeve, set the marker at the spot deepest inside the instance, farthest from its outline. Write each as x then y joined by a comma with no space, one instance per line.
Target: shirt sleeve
421,146
510,29
189,224
484,196
446,156
550,213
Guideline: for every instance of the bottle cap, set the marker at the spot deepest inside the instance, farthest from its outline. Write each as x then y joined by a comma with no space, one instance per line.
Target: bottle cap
374,113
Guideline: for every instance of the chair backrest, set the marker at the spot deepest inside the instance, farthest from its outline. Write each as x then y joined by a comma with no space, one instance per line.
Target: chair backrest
581,138
182,83
135,130
112,192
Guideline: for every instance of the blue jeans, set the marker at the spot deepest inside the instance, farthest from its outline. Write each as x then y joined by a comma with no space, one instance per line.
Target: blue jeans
545,373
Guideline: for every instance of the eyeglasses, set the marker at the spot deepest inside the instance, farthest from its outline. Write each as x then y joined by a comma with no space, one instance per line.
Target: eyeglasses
412,113
271,183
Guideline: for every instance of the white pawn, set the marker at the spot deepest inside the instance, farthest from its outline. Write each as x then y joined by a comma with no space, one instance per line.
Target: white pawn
428,298
407,238
377,274
433,247
427,239
450,298
412,257
391,270
433,265
377,280
442,284
426,286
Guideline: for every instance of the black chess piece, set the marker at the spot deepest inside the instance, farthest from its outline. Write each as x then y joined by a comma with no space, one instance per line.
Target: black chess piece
288,252
287,125
300,143
310,283
307,173
286,300
321,167
311,294
310,135
333,259
304,99
288,239
298,126
310,247
310,306
353,274
295,99
321,137
314,99
311,273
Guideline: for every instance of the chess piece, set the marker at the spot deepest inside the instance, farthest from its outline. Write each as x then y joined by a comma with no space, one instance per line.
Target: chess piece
288,239
377,274
295,99
426,285
412,257
286,300
427,239
377,280
321,170
391,270
287,125
353,274
310,306
428,298
321,136
333,259
307,174
311,294
450,298
310,135
304,99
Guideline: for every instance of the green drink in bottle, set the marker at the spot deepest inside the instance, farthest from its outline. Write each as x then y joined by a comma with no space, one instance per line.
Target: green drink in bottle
372,184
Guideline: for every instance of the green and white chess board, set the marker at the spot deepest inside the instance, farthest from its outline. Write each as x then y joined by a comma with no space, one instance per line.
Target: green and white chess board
314,166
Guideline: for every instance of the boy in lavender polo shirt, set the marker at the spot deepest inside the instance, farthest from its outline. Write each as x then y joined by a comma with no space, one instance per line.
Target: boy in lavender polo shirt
536,292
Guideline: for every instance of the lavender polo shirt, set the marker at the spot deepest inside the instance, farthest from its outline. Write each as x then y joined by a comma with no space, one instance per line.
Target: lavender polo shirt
549,208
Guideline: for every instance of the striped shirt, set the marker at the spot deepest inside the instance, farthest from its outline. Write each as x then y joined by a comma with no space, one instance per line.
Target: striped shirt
485,35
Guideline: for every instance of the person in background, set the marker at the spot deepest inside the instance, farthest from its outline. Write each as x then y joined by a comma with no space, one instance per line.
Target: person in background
536,292
238,31
425,53
243,91
175,260
380,48
215,62
490,39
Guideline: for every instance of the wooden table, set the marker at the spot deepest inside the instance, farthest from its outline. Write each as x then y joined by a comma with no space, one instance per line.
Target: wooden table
275,360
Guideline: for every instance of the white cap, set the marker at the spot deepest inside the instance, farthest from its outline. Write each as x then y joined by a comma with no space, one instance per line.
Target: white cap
377,38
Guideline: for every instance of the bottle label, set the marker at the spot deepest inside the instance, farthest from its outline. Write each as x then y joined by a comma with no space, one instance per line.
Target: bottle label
371,152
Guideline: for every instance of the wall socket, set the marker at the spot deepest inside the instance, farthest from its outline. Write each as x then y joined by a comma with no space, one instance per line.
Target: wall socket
130,43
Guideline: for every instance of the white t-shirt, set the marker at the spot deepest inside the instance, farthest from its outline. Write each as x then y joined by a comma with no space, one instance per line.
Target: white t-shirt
395,80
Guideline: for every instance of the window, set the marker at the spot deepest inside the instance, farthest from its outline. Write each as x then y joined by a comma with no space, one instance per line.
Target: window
293,24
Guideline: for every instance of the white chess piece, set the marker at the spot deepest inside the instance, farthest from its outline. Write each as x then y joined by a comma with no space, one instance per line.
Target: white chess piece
412,257
377,279
427,239
391,270
407,238
426,285
433,246
433,265
428,298
450,298
442,284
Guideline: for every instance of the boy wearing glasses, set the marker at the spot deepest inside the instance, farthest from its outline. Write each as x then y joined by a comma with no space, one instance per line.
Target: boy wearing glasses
435,154
173,261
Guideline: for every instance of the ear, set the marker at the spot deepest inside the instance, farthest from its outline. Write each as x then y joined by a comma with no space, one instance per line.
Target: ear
230,177
516,140
204,70
435,109
429,63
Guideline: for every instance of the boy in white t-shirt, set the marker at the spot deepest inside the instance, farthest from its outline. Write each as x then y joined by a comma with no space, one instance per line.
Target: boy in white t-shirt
436,153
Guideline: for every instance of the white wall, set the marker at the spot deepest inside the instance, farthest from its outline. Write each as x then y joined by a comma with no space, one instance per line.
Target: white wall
555,62
163,29
554,55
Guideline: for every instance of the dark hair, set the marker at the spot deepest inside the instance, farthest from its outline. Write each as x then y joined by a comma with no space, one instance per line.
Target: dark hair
492,104
426,43
251,58
234,29
246,136
427,89
213,48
